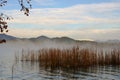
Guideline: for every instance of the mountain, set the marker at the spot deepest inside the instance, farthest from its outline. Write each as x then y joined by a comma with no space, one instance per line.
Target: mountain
55,39
7,37
40,38
63,39
43,38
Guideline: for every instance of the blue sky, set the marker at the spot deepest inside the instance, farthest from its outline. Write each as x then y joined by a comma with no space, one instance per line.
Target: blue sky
56,3
78,19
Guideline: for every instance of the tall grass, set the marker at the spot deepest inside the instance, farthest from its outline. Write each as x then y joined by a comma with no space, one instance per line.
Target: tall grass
73,58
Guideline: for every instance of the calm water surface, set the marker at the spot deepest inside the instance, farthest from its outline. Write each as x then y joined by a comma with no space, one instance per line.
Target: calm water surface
11,70
32,71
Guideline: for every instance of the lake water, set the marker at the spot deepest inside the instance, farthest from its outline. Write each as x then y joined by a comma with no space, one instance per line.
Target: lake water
12,70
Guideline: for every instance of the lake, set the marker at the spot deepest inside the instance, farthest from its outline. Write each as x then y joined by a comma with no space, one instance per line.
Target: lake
12,70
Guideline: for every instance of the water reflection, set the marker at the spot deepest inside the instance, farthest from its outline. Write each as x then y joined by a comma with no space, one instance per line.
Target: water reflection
98,72
25,70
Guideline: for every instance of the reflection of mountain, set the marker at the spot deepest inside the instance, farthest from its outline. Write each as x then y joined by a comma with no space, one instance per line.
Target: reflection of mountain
56,39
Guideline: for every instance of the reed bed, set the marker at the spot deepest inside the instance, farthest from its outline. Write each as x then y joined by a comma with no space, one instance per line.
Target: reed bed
73,58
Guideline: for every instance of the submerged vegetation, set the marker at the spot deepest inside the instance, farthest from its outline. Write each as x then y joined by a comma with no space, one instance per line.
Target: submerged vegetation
73,58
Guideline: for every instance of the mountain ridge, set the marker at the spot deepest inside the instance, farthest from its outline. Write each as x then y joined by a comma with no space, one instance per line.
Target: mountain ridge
56,39
7,37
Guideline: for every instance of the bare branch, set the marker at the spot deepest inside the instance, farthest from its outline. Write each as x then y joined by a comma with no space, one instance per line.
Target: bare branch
3,2
25,6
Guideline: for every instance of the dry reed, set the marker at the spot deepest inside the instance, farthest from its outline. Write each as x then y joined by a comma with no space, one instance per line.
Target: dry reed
73,58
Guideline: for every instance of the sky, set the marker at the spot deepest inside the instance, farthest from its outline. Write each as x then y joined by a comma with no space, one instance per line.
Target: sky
77,19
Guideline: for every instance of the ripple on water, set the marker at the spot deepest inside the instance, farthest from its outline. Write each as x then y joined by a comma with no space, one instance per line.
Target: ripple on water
30,71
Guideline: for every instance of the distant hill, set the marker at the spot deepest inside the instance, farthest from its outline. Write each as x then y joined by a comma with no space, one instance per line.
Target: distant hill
55,39
40,39
43,38
63,39
7,37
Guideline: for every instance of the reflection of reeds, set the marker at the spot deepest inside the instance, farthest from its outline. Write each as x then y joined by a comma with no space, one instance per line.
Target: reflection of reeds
73,58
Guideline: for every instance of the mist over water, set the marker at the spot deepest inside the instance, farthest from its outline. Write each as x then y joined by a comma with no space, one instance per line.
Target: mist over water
32,71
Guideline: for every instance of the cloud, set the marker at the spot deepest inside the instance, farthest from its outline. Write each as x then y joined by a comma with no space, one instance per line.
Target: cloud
93,34
99,15
82,13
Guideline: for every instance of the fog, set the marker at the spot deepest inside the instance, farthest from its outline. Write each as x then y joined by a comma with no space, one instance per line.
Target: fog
16,46
10,48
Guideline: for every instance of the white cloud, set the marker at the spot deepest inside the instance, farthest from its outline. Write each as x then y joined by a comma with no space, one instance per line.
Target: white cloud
93,34
83,13
101,13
